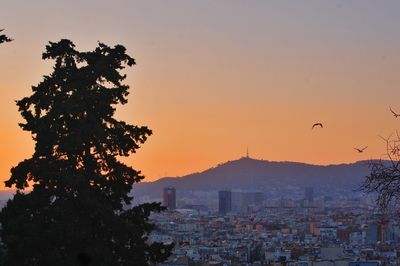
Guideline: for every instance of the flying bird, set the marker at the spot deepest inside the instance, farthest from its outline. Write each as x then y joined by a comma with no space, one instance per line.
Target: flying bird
393,112
361,150
4,38
317,125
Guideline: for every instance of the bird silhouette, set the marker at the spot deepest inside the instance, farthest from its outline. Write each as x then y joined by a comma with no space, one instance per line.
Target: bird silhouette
361,150
393,112
4,38
317,124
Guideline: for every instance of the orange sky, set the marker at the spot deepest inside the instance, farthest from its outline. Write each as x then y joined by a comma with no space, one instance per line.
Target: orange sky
213,78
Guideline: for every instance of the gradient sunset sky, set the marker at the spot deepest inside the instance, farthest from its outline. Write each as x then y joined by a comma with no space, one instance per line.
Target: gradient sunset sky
215,77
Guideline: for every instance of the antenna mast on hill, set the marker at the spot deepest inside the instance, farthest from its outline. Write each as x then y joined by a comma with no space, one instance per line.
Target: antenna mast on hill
247,153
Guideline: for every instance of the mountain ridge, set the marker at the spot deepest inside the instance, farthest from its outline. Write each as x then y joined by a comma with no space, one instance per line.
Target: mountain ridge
249,173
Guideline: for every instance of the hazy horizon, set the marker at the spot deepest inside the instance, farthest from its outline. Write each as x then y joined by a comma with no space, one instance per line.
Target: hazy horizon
237,159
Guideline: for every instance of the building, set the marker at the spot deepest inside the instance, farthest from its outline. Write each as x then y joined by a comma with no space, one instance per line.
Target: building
245,200
364,263
372,233
169,198
309,194
225,202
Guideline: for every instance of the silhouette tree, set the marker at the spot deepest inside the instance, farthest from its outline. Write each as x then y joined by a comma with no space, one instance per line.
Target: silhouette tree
76,213
4,38
384,178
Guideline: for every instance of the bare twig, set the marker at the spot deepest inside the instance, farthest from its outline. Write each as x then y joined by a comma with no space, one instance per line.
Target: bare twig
384,178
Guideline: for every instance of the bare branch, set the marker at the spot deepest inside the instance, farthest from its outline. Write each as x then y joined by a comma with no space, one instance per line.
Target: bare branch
384,178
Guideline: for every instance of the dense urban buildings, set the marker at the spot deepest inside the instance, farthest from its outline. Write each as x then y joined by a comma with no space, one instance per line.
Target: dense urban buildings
254,228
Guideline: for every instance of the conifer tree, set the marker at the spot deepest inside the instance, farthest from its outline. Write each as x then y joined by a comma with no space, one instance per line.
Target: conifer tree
74,213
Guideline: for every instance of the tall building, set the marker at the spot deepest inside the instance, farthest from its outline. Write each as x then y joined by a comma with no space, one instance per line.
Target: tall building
372,233
169,198
309,194
243,199
225,202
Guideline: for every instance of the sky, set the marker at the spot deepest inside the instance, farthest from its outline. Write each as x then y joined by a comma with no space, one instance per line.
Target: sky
214,78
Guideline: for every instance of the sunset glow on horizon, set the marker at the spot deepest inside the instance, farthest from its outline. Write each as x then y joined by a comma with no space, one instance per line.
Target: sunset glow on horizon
214,78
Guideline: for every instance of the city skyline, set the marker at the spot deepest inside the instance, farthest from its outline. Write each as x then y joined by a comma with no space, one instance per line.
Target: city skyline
213,79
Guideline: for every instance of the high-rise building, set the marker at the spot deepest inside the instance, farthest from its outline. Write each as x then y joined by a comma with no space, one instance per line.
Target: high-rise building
372,233
243,199
309,194
225,202
169,198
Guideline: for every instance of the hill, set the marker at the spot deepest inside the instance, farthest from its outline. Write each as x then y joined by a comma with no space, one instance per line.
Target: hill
247,173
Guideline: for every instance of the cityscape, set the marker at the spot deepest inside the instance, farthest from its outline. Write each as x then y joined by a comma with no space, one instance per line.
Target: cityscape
250,228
